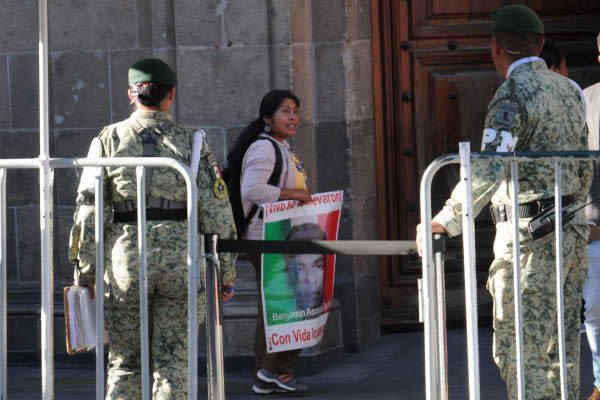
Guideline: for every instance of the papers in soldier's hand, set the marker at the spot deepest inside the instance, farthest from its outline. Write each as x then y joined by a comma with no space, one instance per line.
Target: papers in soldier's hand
80,319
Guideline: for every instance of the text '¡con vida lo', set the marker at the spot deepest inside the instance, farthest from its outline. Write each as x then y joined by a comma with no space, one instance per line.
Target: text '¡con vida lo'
298,336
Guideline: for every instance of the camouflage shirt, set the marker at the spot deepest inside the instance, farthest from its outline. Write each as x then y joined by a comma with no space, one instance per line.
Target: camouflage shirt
535,109
166,240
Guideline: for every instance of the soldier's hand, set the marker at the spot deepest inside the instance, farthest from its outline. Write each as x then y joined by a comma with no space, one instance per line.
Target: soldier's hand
435,228
92,290
227,291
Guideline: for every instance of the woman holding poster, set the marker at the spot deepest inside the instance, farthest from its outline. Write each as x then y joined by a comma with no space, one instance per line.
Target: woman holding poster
262,169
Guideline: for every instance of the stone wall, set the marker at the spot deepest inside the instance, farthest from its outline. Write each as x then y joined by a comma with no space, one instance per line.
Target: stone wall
228,54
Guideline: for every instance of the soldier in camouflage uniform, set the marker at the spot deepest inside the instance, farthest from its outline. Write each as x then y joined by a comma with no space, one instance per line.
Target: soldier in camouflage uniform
150,131
535,109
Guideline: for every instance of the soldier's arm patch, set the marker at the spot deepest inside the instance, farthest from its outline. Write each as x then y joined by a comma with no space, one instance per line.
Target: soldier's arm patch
505,116
508,144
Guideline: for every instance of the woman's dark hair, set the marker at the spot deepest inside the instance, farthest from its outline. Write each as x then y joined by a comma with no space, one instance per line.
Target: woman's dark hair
232,173
150,94
306,231
551,54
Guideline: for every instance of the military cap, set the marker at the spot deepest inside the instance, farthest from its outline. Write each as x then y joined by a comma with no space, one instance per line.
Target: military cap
152,70
517,18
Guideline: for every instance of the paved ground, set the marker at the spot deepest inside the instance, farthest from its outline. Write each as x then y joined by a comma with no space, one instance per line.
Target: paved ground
391,369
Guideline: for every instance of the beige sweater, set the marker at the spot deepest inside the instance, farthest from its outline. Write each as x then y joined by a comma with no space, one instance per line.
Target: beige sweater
257,167
592,103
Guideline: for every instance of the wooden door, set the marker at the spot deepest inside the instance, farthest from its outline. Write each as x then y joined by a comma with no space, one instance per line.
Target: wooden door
433,79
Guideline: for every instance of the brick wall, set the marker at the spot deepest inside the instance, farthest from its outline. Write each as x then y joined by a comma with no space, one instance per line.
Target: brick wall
227,54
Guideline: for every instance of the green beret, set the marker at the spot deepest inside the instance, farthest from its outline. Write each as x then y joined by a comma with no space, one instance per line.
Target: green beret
152,70
517,18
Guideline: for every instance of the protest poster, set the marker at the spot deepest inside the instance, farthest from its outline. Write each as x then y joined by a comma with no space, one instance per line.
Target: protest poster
297,290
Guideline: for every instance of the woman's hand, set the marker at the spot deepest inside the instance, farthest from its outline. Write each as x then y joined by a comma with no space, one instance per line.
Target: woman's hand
302,195
227,291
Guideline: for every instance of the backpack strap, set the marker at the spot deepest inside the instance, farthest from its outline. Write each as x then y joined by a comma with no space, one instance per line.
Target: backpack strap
149,139
278,167
273,179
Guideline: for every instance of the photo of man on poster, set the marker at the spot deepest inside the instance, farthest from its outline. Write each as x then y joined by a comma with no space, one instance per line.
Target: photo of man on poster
306,271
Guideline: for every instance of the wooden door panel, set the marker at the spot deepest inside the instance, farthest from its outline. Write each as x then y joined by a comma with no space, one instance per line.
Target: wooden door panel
450,105
440,18
434,78
485,8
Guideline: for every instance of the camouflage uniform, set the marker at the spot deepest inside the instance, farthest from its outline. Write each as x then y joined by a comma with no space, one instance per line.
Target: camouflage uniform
166,254
535,109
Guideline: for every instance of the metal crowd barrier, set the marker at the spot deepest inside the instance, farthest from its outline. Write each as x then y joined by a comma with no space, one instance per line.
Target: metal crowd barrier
436,363
213,319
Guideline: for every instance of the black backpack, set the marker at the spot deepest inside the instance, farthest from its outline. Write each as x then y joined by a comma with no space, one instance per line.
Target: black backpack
232,175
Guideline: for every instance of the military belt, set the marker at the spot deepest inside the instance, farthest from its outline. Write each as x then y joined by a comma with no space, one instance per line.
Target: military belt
152,203
152,214
503,212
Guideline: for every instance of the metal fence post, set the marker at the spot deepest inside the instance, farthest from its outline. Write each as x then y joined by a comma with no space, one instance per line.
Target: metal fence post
439,249
517,281
141,222
560,305
46,212
470,271
99,291
193,277
429,299
3,293
432,362
214,327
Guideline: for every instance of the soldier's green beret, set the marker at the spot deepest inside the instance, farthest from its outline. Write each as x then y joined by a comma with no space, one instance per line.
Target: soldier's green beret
517,18
152,70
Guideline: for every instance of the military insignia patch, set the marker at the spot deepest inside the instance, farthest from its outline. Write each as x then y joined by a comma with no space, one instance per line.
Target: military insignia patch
220,189
211,160
213,167
506,115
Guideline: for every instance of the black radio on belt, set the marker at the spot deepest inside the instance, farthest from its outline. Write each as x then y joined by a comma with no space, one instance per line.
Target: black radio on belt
532,209
542,214
544,223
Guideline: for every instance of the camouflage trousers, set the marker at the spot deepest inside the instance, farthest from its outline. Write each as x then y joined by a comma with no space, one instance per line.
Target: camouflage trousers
167,295
538,290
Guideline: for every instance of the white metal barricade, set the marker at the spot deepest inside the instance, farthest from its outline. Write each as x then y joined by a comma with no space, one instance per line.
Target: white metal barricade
213,317
432,286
